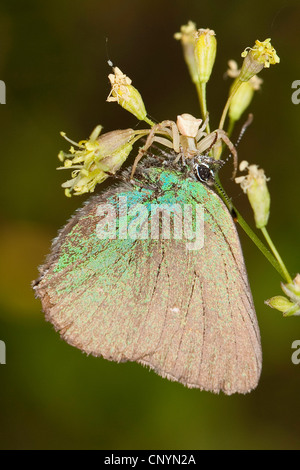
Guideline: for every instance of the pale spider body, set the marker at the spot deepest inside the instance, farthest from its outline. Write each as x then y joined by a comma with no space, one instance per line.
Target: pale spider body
188,139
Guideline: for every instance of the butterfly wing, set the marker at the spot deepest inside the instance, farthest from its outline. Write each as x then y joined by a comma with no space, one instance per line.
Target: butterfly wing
187,314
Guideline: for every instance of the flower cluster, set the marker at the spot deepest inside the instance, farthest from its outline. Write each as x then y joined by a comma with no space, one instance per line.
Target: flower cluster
291,305
95,159
260,56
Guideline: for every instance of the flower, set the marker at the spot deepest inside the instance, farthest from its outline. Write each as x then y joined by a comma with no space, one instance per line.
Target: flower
187,33
289,306
255,186
263,52
261,55
205,53
95,159
233,71
126,95
188,38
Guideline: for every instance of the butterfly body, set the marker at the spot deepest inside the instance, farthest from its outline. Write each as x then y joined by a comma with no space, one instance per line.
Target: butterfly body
184,310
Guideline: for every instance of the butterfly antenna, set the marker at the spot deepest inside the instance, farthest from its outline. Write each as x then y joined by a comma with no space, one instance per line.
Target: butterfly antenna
243,130
110,62
221,190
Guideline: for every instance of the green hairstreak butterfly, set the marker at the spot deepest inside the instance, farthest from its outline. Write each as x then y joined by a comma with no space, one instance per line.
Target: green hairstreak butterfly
188,314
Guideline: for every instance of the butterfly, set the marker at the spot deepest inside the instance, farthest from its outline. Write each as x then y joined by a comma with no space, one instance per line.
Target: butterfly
188,314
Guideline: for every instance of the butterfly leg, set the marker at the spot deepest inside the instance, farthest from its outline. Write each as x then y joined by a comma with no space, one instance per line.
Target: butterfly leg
144,149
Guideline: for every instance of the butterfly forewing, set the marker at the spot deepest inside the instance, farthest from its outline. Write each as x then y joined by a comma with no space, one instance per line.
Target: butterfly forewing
187,314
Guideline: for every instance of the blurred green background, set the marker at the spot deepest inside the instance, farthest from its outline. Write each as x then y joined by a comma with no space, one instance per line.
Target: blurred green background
53,60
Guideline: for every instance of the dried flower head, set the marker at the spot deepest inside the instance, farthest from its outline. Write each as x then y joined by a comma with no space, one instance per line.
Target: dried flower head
187,38
126,95
255,186
187,33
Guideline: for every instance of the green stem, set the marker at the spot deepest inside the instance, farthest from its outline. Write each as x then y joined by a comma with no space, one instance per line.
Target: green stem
230,127
259,244
277,255
201,90
234,90
228,132
148,121
249,231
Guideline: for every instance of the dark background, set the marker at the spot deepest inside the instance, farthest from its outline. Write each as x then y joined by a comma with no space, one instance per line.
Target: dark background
53,61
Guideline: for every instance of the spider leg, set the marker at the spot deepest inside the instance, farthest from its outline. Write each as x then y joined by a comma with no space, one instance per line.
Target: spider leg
212,144
164,153
165,128
232,149
208,142
125,179
143,149
201,129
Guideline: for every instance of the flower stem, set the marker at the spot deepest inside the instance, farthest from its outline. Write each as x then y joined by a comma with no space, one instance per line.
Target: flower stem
277,255
148,121
230,127
280,268
201,90
223,117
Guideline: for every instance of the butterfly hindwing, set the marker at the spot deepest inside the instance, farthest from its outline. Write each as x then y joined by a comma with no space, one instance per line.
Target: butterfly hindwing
187,314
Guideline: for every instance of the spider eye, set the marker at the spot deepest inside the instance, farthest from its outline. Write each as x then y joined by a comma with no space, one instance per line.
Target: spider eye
203,172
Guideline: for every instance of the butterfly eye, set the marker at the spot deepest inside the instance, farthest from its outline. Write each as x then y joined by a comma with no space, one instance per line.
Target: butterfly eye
203,172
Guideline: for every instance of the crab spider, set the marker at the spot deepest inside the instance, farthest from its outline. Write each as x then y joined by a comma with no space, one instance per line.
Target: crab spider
186,137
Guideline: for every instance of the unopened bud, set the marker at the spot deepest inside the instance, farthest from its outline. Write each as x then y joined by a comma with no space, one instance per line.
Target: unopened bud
283,305
112,163
242,97
289,307
112,141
